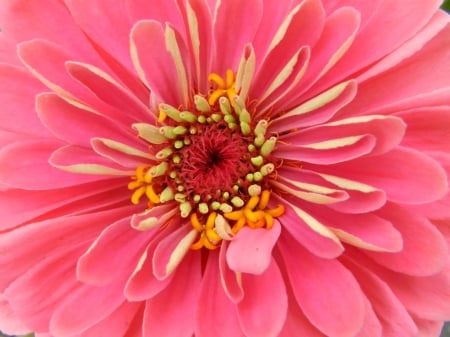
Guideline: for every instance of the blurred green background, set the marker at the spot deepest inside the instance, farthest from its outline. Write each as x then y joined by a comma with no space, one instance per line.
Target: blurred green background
446,5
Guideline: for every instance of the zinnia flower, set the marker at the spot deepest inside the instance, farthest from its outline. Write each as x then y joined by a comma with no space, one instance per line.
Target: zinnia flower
207,168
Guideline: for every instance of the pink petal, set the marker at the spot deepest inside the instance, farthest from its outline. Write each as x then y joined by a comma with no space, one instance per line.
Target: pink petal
143,284
371,326
55,113
387,131
69,320
171,250
231,281
251,249
428,327
424,250
8,53
8,319
135,329
329,152
430,133
366,8
113,254
362,198
340,30
109,90
432,99
436,210
430,64
368,48
262,311
158,216
350,197
165,11
19,206
296,323
129,156
25,165
197,19
396,321
17,91
274,12
301,31
8,137
325,245
47,62
83,160
39,291
312,193
17,16
366,231
155,64
317,110
111,32
289,75
410,47
427,297
60,233
220,319
176,302
110,37
118,322
409,177
317,284
246,19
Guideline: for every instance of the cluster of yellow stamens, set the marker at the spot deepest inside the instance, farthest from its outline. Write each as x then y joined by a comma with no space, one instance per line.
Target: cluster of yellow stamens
213,160
254,214
142,185
223,87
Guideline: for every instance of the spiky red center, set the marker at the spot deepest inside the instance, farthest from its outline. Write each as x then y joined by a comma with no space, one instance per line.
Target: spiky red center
214,161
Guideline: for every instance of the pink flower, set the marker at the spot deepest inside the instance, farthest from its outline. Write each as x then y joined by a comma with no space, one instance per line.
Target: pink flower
207,168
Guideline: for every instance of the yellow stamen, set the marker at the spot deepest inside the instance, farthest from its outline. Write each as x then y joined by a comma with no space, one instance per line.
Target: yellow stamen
137,195
223,87
210,220
269,220
151,195
277,211
195,223
208,235
252,202
208,244
239,225
236,215
142,185
264,201
162,116
255,213
213,77
230,78
212,236
198,244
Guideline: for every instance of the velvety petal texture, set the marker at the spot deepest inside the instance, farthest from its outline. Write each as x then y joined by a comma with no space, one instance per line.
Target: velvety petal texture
224,168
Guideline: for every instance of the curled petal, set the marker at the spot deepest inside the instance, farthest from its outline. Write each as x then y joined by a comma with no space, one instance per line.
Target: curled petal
251,249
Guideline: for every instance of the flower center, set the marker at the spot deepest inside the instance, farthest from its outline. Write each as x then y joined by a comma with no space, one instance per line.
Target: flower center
214,160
